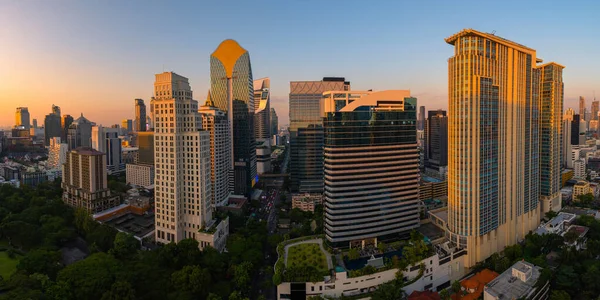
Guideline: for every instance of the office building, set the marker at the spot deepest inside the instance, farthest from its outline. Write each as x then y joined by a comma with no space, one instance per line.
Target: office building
79,133
22,118
595,109
145,141
57,153
65,123
182,166
231,88
582,110
140,174
371,166
274,122
421,118
551,94
518,282
34,123
84,181
262,124
216,123
52,128
566,142
575,130
436,141
579,169
126,126
140,115
106,140
581,188
493,169
306,132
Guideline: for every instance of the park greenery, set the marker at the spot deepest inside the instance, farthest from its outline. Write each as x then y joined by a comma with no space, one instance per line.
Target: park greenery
306,255
36,228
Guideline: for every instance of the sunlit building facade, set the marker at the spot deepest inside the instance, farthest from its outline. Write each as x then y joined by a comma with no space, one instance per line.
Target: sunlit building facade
262,124
494,143
551,94
371,166
22,118
232,92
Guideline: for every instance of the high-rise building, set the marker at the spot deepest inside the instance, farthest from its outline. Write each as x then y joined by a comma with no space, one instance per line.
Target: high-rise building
56,110
595,109
231,88
577,130
79,133
141,170
57,153
52,128
262,124
216,123
65,123
182,166
582,106
145,141
84,181
106,140
579,169
566,142
436,140
551,94
421,118
127,126
493,164
306,132
140,115
274,122
22,118
371,166
34,122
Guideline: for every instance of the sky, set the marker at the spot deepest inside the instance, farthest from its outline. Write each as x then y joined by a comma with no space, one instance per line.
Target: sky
95,57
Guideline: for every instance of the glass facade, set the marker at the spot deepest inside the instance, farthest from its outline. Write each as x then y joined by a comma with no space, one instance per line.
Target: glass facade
370,169
232,91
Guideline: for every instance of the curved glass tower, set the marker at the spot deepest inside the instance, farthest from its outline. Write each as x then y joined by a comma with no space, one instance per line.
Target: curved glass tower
232,91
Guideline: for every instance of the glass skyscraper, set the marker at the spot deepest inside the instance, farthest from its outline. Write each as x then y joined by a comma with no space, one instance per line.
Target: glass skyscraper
493,143
231,90
371,166
306,132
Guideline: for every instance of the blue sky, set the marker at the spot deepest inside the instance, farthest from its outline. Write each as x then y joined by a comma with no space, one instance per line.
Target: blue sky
95,57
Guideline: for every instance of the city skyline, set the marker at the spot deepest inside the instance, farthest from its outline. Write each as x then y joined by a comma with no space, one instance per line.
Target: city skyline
113,62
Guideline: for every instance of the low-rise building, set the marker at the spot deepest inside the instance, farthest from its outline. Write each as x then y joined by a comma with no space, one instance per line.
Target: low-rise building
236,204
565,176
306,202
518,282
33,178
579,169
556,225
214,234
582,187
432,188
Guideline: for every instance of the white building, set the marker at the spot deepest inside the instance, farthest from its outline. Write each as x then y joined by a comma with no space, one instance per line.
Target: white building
518,282
106,139
57,153
182,161
140,174
579,169
215,122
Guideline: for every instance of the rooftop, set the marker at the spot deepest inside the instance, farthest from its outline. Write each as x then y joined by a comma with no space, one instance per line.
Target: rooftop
137,225
475,284
509,286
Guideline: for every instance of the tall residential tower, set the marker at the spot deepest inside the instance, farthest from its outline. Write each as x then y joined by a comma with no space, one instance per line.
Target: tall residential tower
494,138
140,115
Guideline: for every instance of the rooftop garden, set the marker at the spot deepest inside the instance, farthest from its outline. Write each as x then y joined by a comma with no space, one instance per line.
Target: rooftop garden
306,261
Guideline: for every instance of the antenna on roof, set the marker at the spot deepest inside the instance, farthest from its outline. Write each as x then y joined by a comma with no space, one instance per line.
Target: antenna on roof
494,32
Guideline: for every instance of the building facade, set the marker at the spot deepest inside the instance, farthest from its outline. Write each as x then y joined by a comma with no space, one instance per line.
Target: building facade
582,106
436,140
182,163
126,126
274,122
22,118
231,88
65,123
262,124
52,128
84,181
57,153
371,166
140,174
493,168
140,115
216,123
306,132
80,133
551,94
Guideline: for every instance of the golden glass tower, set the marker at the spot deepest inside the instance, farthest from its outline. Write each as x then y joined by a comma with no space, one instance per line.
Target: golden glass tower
494,128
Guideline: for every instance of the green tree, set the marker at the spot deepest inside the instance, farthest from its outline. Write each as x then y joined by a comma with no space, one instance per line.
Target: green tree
212,296
353,254
125,246
551,214
559,295
381,246
456,287
444,294
120,290
242,276
91,277
236,295
41,261
390,290
192,279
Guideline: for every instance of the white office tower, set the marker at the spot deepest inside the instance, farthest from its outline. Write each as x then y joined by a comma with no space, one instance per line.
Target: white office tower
215,121
106,140
182,161
262,124
57,154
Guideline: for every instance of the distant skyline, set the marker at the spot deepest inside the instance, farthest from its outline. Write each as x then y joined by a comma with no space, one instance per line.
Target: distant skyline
95,58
